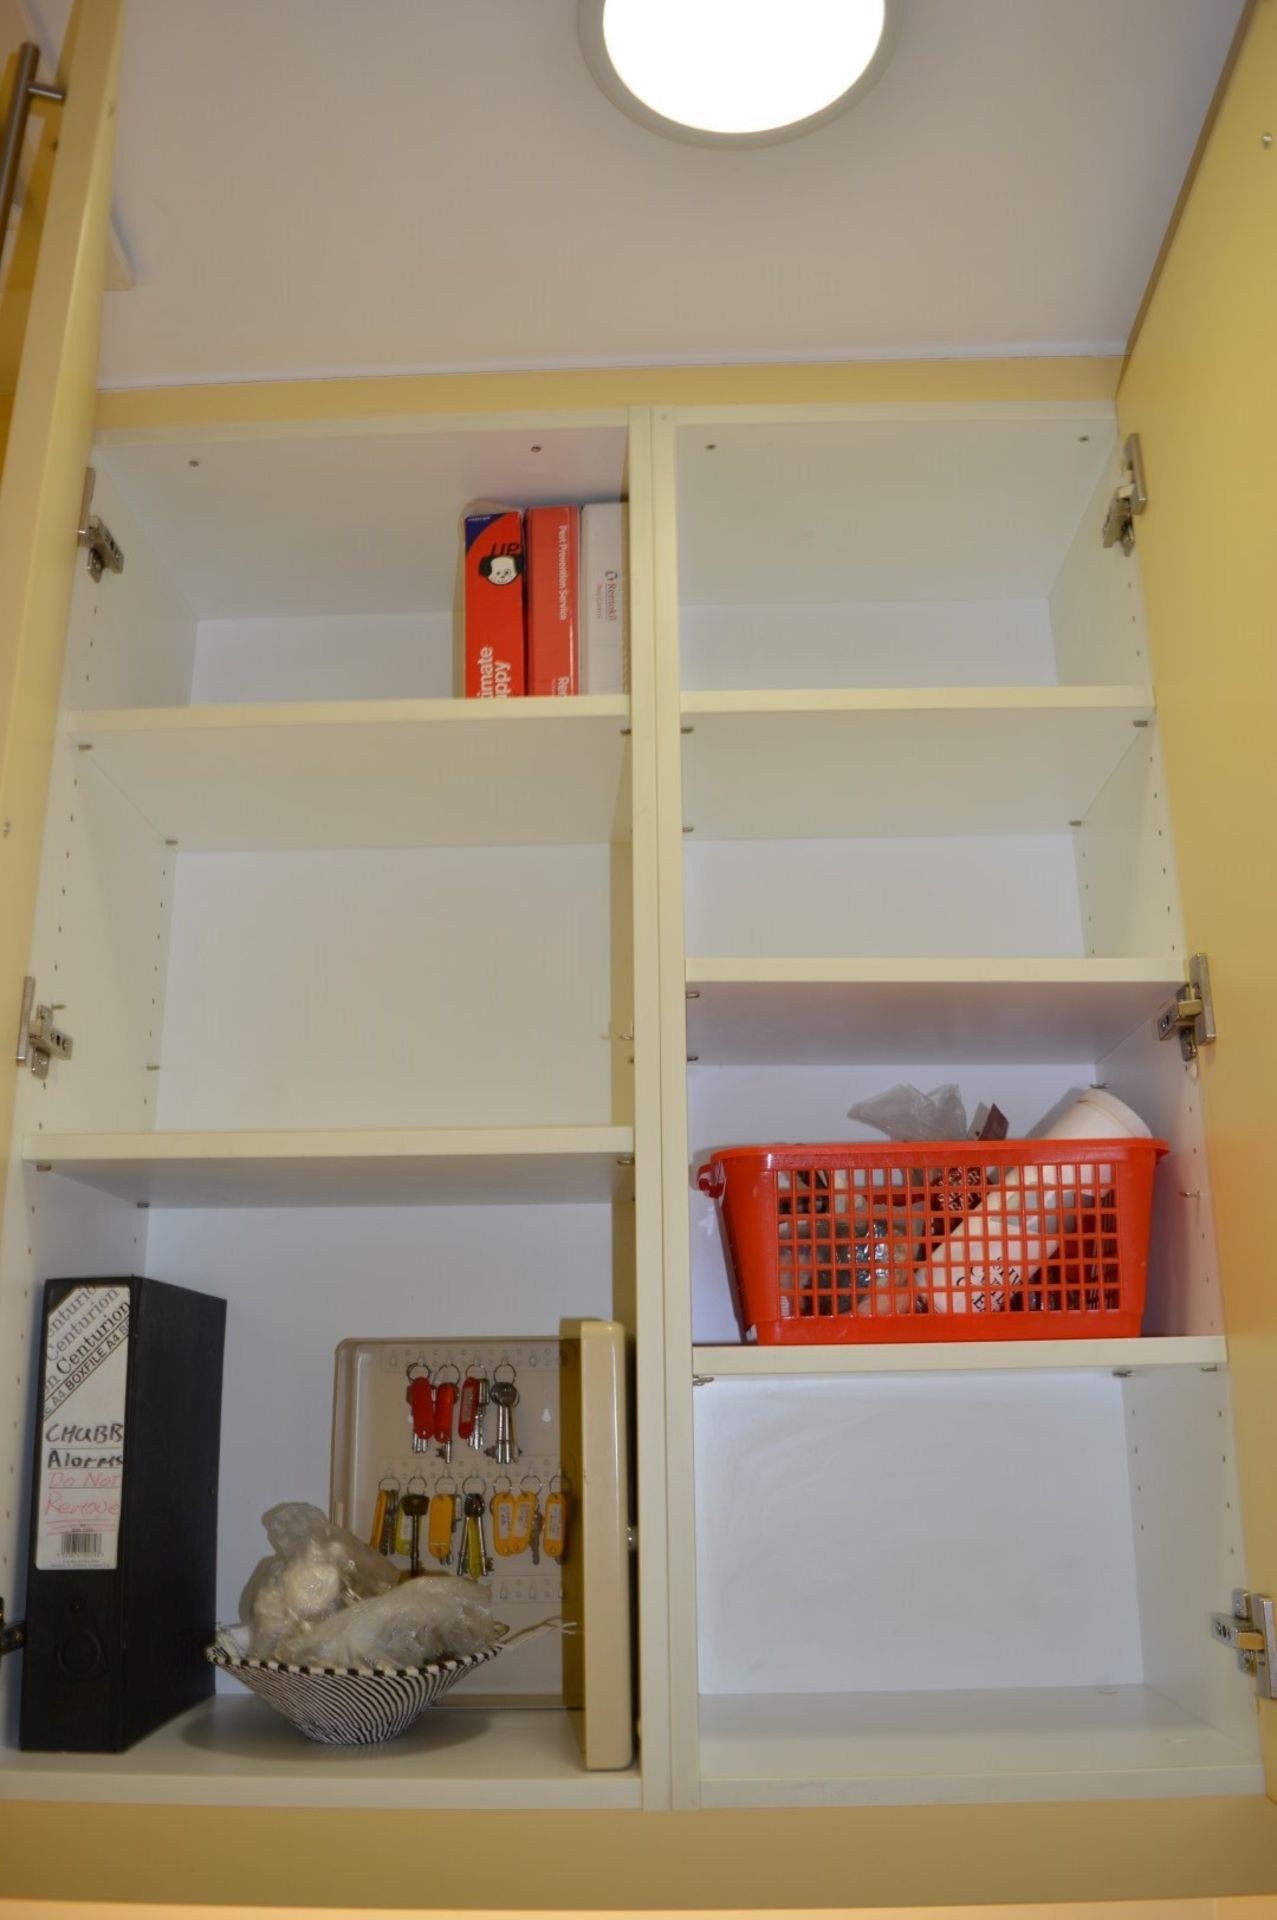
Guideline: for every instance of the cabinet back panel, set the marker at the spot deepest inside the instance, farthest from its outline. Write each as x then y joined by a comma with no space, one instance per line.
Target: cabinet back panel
454,987
295,521
950,507
389,656
1007,897
298,1283
893,643
743,1106
953,1532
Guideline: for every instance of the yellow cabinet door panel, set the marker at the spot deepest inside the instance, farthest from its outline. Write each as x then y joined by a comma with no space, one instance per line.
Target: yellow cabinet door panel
47,448
1201,390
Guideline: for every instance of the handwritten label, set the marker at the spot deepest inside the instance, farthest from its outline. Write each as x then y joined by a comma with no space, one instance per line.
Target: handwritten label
82,1430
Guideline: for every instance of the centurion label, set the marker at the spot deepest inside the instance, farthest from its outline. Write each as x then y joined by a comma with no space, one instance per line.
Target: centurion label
82,1430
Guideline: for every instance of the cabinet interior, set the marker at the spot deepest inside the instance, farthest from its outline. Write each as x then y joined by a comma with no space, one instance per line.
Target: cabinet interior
351,993
351,981
926,839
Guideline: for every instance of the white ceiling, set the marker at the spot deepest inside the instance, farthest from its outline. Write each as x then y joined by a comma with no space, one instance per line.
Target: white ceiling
314,186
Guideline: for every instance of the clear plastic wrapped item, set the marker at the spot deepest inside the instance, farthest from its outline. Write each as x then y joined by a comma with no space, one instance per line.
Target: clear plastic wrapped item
316,1570
906,1113
418,1622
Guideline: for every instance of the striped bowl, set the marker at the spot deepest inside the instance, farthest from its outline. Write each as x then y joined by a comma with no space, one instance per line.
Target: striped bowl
349,1706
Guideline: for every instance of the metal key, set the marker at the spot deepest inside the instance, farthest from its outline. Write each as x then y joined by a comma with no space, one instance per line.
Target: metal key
416,1506
473,1558
477,1437
504,1396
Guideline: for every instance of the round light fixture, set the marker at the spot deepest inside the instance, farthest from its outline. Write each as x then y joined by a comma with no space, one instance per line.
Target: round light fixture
735,72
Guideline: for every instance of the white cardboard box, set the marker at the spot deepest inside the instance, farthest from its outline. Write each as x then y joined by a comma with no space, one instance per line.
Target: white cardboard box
605,655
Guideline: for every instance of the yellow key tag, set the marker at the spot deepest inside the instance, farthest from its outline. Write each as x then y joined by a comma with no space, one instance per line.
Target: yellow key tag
525,1514
379,1519
440,1523
554,1534
503,1523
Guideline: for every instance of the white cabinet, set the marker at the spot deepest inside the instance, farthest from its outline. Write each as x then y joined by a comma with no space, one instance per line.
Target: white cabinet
397,1014
349,966
916,830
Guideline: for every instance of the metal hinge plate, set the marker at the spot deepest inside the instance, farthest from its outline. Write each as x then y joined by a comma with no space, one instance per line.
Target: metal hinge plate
40,1042
1191,1013
104,550
13,1634
1251,1630
1129,498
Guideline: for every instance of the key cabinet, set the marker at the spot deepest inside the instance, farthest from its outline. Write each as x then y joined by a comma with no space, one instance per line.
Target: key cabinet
398,1015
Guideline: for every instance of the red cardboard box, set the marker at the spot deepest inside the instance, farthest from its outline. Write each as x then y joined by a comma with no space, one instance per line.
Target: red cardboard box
494,571
553,542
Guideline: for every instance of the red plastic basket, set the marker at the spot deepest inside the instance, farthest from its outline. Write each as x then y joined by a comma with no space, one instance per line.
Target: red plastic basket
951,1240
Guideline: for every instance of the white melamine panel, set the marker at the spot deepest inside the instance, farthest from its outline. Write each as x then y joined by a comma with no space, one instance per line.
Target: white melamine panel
1127,884
906,508
296,1284
103,922
755,1105
1010,895
388,656
453,988
815,1011
1188,1543
890,643
1097,610
1152,1076
939,1356
430,773
236,1752
296,521
131,635
498,1166
941,760
909,1749
877,1535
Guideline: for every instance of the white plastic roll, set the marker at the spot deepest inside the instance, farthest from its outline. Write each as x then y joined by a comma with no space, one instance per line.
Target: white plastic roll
1013,1234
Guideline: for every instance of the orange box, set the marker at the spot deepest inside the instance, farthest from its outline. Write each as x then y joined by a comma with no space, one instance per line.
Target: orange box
494,575
553,536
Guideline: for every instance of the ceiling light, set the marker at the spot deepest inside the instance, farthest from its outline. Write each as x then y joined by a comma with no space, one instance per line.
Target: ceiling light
735,72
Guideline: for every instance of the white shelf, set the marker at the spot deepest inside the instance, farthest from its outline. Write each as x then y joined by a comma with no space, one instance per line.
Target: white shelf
237,1752
883,761
958,1356
883,1749
465,1166
812,1012
375,773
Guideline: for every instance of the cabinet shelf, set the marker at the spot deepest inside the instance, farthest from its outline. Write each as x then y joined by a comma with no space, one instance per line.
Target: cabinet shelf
464,1166
236,1752
884,761
939,1356
374,773
875,1749
813,1012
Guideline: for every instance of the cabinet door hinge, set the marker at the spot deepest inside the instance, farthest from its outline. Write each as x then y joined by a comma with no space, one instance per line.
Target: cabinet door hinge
1251,1630
13,1634
1191,1013
39,1040
104,549
1129,498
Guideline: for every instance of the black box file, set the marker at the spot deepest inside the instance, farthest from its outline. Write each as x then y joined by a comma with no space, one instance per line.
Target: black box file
120,1589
